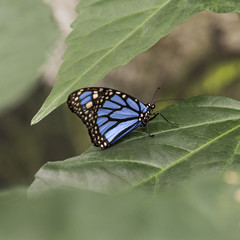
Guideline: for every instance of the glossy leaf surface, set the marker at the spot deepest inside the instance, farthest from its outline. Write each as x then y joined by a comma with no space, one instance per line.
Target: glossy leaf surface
207,141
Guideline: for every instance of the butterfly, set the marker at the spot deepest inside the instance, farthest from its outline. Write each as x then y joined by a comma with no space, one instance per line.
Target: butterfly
109,114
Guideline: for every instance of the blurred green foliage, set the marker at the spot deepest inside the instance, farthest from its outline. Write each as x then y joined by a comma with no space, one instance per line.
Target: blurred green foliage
27,33
24,149
198,209
217,79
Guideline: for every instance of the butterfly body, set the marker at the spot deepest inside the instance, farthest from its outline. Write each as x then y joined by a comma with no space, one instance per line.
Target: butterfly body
108,114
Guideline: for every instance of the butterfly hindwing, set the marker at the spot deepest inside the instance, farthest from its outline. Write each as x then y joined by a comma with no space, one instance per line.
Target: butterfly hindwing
108,114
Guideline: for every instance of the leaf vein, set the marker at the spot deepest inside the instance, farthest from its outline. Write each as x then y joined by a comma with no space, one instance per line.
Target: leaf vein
183,158
180,128
111,161
231,157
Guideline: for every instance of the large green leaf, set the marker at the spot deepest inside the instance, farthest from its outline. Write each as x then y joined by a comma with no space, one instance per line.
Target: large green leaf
27,32
110,33
206,208
207,141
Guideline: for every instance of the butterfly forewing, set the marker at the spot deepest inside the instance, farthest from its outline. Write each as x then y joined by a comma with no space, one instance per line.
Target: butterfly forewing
108,114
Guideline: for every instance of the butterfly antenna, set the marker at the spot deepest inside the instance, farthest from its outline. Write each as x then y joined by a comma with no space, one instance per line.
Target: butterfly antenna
155,94
171,99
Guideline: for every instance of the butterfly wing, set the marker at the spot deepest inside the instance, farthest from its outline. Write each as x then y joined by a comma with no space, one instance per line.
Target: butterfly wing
108,114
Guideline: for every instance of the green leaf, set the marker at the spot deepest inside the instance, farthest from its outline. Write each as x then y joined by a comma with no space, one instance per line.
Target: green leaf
107,34
203,208
206,141
27,32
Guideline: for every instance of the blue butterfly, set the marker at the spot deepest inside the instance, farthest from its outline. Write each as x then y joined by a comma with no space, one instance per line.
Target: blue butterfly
109,114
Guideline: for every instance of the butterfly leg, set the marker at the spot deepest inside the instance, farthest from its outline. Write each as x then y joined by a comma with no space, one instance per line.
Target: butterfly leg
154,115
150,135
173,124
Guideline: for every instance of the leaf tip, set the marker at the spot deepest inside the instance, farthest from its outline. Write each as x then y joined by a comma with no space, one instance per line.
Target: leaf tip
37,118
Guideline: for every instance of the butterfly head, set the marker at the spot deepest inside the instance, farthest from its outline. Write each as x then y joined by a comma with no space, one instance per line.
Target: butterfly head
145,116
151,106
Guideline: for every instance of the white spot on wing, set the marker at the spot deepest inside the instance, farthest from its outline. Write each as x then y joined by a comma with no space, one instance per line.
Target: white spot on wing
95,95
89,104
